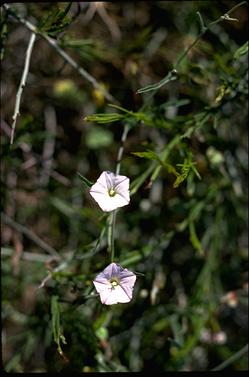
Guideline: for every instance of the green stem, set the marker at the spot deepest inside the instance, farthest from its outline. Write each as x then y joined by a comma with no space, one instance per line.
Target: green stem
205,29
232,359
121,148
113,221
236,6
179,60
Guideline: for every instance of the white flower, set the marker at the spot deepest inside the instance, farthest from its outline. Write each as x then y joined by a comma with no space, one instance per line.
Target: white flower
111,191
115,284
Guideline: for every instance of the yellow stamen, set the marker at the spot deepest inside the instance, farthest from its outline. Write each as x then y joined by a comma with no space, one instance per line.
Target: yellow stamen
112,192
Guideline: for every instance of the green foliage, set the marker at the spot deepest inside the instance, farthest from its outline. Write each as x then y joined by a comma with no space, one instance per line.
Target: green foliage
55,22
3,33
115,117
241,50
186,168
171,76
85,180
56,326
88,49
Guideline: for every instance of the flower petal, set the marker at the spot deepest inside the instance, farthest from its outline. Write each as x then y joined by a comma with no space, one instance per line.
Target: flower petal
122,294
99,188
108,297
128,280
110,179
103,181
105,202
122,182
119,201
101,284
110,271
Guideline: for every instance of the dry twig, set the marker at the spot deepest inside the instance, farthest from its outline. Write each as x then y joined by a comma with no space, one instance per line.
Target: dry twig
62,53
32,236
22,84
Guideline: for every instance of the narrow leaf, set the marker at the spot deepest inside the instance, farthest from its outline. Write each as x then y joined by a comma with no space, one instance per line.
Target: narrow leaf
194,239
120,108
57,335
170,77
241,50
104,118
85,180
148,154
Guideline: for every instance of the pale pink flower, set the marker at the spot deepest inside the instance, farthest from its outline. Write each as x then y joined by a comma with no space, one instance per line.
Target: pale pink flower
115,284
111,191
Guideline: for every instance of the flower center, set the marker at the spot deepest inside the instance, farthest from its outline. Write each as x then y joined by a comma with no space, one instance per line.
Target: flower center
114,282
112,192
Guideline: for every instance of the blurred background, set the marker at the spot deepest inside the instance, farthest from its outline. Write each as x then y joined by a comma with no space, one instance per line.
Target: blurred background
185,232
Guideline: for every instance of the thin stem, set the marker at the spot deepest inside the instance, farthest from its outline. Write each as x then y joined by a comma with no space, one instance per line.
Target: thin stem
62,53
236,6
179,60
205,28
113,221
121,148
31,257
61,267
32,236
110,233
22,84
71,258
111,228
232,359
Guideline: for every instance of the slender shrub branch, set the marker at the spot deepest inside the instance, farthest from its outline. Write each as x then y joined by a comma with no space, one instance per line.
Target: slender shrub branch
22,84
231,359
112,220
63,54
171,75
28,233
204,29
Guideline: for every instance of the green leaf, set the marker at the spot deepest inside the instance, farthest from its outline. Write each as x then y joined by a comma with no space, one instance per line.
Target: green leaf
85,180
57,335
120,108
153,87
241,50
55,318
105,118
131,117
186,168
56,21
180,178
164,156
194,239
4,34
196,171
137,183
148,154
